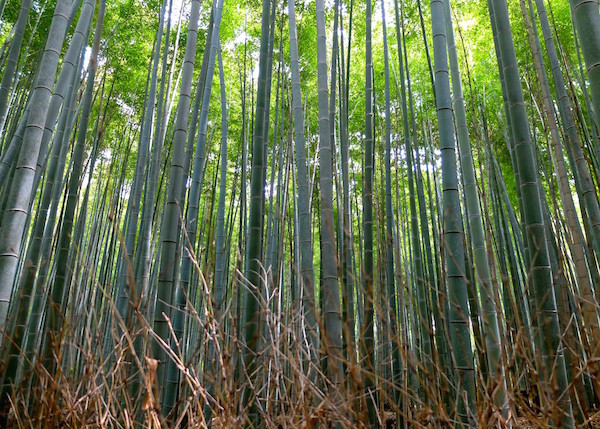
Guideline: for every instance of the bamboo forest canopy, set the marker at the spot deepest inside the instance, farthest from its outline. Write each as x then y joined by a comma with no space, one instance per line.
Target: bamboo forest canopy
277,214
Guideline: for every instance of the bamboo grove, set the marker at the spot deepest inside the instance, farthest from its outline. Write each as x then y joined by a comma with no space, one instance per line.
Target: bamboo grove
313,214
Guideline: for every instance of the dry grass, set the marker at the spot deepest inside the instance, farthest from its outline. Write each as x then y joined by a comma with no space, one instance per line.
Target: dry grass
110,380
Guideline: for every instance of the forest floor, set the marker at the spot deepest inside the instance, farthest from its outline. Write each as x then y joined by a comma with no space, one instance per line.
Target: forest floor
533,423
426,420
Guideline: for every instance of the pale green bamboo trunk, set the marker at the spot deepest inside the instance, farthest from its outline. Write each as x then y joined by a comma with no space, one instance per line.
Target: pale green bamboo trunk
14,221
129,291
36,256
587,22
168,273
253,285
390,275
11,63
453,238
487,289
59,292
534,231
367,329
329,287
304,230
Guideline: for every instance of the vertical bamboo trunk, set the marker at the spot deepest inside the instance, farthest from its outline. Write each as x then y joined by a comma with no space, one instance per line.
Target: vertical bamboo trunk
367,330
254,251
537,250
581,174
11,63
575,235
390,276
66,88
453,231
304,218
348,277
329,287
128,288
220,285
16,214
586,18
57,299
482,266
168,273
423,341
